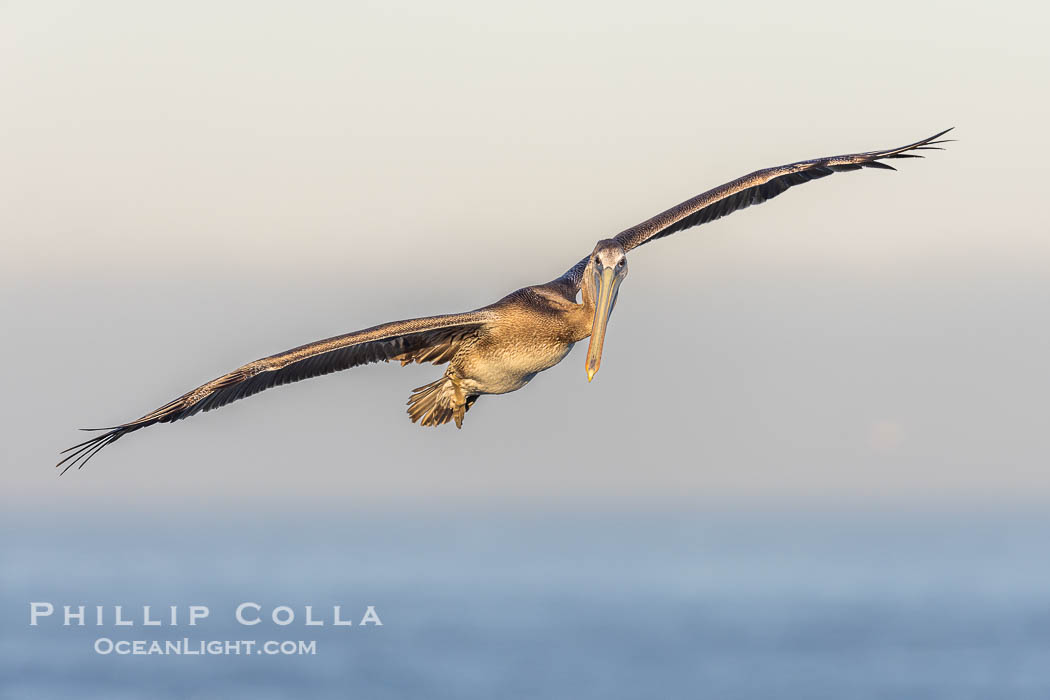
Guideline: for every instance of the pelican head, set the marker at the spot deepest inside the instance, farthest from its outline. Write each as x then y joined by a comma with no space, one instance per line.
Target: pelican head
605,271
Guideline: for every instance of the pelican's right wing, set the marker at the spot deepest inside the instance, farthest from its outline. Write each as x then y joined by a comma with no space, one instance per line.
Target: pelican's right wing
433,339
761,185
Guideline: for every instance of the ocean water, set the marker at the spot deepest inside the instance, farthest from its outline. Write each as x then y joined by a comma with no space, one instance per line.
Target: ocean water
727,605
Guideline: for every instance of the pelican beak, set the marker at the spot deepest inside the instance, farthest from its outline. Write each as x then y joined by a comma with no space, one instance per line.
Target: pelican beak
608,284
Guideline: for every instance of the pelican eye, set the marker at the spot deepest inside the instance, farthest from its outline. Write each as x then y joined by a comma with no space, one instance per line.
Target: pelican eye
620,264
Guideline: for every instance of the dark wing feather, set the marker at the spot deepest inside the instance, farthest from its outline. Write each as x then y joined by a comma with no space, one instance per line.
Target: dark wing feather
755,188
433,339
760,186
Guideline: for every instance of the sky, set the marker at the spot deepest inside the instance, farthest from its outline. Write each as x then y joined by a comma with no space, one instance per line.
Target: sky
188,187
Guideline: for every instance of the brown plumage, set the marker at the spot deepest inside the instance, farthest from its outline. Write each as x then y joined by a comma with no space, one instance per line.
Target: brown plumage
498,348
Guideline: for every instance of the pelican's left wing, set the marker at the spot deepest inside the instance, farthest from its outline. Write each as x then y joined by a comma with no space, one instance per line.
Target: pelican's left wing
760,186
431,339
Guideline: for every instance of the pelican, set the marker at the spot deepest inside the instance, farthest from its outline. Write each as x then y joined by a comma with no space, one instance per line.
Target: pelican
498,348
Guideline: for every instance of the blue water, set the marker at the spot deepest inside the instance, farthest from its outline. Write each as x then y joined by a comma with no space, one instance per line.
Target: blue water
732,605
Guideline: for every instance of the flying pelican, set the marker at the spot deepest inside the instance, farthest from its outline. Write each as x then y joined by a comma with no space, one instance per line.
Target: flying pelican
498,348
